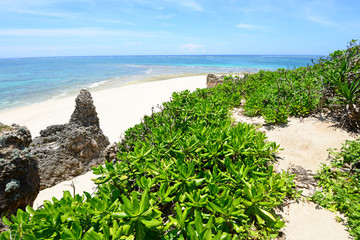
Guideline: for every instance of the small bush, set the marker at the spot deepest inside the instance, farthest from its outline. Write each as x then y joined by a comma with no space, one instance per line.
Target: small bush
341,188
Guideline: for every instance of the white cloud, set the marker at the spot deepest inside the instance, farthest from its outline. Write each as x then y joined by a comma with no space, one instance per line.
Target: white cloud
190,47
164,17
318,12
191,4
246,26
130,44
319,20
73,32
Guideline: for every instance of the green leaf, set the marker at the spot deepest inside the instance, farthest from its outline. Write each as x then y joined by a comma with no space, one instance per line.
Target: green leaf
198,222
77,229
6,221
106,231
119,215
127,202
30,210
267,214
140,231
67,233
215,207
92,235
135,208
191,232
206,234
152,223
259,219
144,202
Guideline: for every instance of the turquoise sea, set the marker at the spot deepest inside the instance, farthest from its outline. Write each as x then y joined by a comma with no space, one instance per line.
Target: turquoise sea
25,81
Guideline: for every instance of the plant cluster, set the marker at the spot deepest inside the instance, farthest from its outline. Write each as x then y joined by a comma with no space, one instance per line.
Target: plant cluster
341,188
340,73
185,172
280,94
332,83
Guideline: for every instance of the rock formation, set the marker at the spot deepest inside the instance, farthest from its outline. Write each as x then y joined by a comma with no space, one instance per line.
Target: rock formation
19,178
111,152
68,150
212,80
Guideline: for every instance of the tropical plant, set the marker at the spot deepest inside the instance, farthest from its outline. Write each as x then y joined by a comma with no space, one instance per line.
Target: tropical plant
340,183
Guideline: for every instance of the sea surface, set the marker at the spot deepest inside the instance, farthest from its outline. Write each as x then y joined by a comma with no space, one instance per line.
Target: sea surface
24,81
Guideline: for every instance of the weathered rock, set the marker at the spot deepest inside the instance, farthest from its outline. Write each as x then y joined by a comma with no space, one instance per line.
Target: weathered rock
212,80
85,112
68,150
111,152
19,178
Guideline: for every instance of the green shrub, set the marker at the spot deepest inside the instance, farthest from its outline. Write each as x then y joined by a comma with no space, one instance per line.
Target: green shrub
183,173
341,189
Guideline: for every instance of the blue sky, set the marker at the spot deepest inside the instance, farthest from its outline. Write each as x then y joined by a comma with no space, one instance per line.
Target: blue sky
35,28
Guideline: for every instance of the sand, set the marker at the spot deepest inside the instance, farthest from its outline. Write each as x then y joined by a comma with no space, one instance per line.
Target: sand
305,143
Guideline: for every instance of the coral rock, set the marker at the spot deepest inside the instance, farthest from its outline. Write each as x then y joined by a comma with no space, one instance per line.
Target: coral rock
68,150
19,178
213,80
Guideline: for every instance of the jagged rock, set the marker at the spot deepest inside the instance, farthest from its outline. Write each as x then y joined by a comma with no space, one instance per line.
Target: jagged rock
19,178
111,152
212,80
68,150
85,112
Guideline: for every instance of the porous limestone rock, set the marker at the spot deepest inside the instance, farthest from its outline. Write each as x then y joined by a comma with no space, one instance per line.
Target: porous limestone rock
19,178
68,150
212,80
111,152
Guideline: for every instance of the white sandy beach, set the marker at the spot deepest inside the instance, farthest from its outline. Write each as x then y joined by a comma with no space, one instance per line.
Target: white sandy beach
118,108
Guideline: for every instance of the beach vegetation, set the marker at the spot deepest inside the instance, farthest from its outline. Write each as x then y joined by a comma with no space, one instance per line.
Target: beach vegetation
188,172
340,184
185,172
331,84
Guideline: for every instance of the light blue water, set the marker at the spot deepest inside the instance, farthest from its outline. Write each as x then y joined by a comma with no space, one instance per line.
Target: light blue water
25,81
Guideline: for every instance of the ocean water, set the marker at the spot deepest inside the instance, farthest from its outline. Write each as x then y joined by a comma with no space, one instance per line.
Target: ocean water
24,81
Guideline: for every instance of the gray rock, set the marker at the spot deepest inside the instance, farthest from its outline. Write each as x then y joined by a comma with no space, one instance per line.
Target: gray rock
212,80
19,178
85,112
111,152
68,150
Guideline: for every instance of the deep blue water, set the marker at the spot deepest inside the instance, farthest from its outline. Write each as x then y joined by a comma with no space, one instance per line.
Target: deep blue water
28,80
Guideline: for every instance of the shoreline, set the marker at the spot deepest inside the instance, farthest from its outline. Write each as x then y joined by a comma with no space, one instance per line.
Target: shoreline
115,82
118,107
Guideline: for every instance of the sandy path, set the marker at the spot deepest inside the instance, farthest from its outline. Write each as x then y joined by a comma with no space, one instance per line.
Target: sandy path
305,143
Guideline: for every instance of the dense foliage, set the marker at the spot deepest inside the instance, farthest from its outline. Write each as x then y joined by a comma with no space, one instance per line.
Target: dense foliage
184,173
280,94
341,187
333,83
